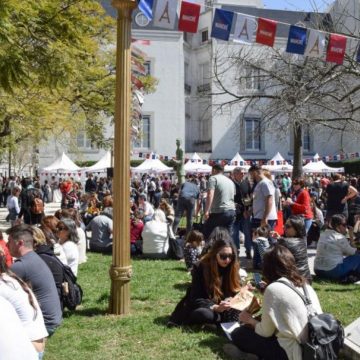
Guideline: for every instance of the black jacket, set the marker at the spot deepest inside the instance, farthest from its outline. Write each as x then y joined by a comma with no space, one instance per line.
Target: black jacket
298,247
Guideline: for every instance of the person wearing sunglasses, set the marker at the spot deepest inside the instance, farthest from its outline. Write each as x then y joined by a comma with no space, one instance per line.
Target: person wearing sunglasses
68,238
215,280
335,258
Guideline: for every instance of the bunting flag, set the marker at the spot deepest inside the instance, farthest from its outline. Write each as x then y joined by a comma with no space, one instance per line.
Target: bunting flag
189,17
336,49
266,32
245,28
222,24
165,14
145,6
297,40
316,44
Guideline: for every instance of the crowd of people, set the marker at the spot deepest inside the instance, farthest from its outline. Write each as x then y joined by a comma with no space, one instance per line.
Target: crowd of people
208,218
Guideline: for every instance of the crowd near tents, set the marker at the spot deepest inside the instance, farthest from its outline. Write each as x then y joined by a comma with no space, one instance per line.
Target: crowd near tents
63,166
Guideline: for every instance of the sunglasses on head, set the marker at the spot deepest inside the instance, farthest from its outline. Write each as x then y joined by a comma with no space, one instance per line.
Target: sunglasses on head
226,256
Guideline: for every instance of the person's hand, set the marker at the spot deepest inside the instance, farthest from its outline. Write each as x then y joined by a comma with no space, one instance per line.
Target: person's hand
246,318
223,306
263,222
206,215
344,200
274,234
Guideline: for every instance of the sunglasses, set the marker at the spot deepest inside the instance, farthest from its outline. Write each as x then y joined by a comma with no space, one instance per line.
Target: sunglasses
226,256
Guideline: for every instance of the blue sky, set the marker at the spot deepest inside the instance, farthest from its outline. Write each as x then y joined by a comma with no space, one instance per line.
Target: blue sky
297,5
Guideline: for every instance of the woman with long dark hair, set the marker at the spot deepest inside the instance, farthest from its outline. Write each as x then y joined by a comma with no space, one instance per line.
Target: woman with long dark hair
215,279
284,318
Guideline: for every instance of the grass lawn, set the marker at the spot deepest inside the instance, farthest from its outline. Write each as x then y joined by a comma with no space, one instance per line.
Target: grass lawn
156,287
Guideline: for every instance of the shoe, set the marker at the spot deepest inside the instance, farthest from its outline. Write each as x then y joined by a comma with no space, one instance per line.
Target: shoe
248,255
209,327
235,353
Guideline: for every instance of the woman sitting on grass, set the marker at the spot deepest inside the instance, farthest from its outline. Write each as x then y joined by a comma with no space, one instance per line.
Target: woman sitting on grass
335,258
215,279
284,315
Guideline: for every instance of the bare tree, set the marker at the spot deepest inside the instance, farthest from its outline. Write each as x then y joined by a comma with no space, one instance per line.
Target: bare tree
289,91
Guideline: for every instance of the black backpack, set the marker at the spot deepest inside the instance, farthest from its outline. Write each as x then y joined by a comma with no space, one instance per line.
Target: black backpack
325,332
71,292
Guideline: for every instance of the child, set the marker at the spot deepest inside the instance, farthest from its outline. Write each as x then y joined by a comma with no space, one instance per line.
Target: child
192,248
261,244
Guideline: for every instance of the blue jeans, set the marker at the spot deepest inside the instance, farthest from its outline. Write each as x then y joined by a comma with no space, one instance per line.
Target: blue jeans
224,219
188,205
308,223
350,265
255,223
243,225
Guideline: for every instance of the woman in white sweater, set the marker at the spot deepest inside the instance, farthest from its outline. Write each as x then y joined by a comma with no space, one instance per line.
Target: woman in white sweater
284,315
68,239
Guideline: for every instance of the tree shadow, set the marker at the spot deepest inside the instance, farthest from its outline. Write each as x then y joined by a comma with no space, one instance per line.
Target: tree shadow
86,312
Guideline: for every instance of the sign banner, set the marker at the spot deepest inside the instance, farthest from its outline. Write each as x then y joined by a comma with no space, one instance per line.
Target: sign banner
189,17
245,28
222,24
297,40
266,32
165,14
336,49
316,44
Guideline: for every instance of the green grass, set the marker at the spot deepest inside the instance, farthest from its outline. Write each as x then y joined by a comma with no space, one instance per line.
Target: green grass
156,287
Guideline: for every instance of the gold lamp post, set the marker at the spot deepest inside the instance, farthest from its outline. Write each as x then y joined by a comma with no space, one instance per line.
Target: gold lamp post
120,270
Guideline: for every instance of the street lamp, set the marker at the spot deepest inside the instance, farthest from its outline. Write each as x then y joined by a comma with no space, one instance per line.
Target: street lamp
120,270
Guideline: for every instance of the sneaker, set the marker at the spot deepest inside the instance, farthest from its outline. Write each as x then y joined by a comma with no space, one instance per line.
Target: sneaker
235,353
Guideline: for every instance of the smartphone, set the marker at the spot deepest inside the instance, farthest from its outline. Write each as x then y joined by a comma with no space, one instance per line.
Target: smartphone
257,280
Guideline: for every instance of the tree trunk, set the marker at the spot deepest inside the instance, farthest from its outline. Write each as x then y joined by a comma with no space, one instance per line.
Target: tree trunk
298,151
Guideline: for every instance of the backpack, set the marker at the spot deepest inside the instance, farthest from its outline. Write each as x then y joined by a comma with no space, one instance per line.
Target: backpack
325,332
71,291
37,206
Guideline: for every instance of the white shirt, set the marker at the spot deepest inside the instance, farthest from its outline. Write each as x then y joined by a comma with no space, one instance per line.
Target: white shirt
81,245
331,249
72,255
13,203
32,319
285,315
155,237
14,341
262,191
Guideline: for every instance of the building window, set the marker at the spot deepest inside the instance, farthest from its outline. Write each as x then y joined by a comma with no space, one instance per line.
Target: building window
252,134
306,138
83,141
253,79
204,73
204,36
147,66
143,142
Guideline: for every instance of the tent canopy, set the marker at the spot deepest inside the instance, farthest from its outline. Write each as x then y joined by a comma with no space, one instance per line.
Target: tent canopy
236,161
277,157
151,166
320,167
195,165
62,163
102,164
278,164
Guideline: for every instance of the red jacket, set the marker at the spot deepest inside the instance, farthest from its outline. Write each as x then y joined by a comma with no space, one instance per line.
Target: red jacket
8,257
302,205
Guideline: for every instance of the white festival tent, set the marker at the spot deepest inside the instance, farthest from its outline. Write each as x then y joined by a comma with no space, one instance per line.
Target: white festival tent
61,164
278,164
101,165
195,165
236,161
318,166
151,166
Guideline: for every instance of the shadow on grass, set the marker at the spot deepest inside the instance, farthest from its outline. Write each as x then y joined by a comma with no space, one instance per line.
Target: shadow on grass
343,289
182,286
87,312
102,298
162,320
215,344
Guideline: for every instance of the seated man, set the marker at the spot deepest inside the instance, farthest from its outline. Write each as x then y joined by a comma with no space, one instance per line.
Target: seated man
33,270
101,228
